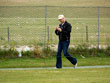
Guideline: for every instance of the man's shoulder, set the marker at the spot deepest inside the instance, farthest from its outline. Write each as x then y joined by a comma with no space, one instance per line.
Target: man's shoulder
67,23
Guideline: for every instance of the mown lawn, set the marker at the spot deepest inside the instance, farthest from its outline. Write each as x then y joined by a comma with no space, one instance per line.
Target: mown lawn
51,62
96,75
27,23
55,3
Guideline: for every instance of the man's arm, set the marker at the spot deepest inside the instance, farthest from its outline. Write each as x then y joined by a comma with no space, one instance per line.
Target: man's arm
58,30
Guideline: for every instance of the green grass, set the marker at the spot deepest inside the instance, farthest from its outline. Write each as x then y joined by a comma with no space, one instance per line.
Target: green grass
27,22
27,27
56,2
96,75
51,62
35,31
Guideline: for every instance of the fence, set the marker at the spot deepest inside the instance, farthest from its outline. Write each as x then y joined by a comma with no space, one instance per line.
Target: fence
36,24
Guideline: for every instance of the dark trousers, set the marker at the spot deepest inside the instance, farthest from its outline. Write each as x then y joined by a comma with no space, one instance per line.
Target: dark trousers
64,46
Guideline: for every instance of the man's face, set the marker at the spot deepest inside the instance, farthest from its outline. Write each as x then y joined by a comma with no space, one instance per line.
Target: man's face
62,20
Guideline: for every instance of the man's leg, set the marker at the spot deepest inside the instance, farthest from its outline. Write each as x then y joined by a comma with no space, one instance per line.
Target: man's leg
67,55
59,59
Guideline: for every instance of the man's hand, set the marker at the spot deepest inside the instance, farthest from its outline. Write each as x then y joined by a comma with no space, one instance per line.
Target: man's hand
59,29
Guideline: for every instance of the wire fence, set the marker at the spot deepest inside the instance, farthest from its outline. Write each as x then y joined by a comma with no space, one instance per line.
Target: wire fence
26,25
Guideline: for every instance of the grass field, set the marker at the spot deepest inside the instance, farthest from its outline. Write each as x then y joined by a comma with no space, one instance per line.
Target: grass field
51,62
26,20
56,76
29,21
27,26
56,2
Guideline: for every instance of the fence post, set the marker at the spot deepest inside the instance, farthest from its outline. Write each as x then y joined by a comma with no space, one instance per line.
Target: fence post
8,34
86,33
45,25
98,26
48,34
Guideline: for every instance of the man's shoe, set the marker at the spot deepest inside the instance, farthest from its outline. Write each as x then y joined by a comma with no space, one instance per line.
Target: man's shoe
75,65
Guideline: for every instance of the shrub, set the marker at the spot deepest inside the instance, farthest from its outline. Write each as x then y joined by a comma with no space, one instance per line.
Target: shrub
47,52
107,51
8,53
81,50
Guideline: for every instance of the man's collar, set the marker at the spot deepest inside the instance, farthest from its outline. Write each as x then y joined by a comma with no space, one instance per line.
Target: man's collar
63,23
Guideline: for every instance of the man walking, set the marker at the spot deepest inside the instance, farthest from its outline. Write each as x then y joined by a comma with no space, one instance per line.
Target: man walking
63,31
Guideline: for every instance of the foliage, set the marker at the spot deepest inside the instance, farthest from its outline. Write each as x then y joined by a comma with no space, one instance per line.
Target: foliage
47,52
8,53
80,50
83,50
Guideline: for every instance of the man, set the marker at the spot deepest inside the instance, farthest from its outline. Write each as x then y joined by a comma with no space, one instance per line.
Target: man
63,31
